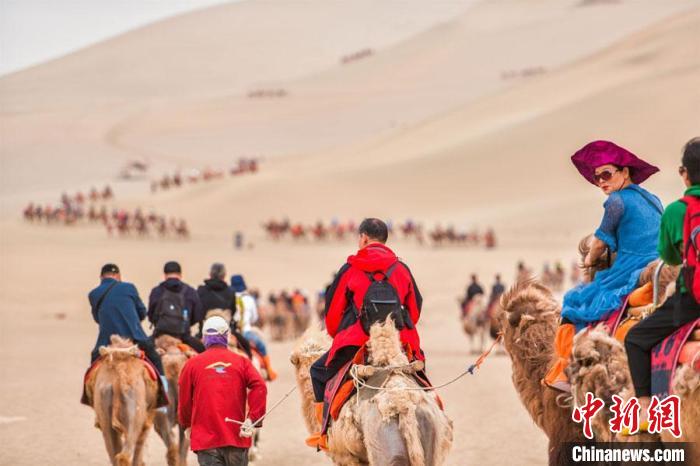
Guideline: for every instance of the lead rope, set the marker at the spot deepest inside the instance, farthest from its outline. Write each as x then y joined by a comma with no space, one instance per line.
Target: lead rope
359,383
248,427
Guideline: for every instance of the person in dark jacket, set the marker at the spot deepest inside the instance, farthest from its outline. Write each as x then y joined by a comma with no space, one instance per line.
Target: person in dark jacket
216,294
118,310
474,289
342,319
191,307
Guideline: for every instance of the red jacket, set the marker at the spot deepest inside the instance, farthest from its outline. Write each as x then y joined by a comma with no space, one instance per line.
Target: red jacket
214,385
345,296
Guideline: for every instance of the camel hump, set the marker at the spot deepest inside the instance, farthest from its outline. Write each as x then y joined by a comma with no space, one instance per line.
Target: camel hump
120,348
164,342
223,313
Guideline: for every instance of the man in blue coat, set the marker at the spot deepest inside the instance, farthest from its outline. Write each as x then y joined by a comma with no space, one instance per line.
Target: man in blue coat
118,310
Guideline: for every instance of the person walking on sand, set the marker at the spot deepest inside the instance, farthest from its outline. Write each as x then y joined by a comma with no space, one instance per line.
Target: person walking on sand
216,386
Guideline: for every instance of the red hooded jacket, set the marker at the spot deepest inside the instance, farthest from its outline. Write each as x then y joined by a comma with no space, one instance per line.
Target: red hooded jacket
215,385
345,296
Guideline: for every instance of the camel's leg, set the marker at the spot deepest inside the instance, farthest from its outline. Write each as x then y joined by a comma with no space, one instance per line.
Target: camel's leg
103,418
140,443
184,447
163,427
132,427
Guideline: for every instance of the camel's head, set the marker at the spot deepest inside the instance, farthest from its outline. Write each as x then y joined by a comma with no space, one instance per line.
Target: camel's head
223,313
384,345
529,319
311,346
604,262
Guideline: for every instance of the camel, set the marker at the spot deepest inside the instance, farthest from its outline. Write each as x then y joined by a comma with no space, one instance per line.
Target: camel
475,322
396,426
174,356
282,321
124,398
598,365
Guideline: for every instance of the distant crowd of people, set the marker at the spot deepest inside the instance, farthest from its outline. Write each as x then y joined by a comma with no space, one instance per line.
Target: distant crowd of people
178,179
359,55
267,93
410,230
122,223
70,209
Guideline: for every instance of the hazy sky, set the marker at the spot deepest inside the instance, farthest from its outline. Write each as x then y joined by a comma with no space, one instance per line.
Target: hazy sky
33,31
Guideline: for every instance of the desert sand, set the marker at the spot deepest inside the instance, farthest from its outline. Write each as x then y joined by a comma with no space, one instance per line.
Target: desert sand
425,127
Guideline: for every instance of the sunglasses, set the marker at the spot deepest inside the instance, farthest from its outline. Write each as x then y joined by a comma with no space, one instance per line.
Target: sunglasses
605,175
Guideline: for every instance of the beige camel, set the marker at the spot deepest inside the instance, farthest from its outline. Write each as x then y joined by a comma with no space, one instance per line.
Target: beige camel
399,425
174,356
123,396
475,323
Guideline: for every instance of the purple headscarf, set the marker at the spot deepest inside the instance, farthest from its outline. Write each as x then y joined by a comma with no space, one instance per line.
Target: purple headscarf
215,339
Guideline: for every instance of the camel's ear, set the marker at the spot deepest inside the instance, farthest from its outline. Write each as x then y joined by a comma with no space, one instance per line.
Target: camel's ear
160,351
294,359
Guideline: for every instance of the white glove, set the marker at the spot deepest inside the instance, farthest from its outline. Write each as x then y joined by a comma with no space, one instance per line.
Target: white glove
247,428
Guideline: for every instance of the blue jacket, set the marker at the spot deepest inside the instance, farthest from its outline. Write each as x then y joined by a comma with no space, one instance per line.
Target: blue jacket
120,313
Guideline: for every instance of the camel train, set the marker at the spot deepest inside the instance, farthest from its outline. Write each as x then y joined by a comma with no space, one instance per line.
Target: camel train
598,365
123,391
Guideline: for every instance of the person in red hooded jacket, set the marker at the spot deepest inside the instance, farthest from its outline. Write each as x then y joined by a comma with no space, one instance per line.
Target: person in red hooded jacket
344,299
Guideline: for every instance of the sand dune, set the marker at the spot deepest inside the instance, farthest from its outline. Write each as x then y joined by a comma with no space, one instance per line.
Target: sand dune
425,127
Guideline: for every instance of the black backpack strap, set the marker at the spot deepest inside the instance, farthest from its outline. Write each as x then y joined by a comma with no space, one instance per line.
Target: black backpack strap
390,270
104,295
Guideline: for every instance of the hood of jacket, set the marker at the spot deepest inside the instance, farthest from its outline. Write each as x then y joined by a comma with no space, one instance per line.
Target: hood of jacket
373,257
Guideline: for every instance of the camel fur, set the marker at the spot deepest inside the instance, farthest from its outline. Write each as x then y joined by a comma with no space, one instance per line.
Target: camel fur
174,357
124,399
394,426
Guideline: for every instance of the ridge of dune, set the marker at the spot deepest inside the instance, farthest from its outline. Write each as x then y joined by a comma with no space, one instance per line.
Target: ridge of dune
445,67
514,145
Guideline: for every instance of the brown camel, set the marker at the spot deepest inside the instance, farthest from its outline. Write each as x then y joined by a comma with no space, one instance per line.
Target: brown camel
174,356
123,396
399,425
598,365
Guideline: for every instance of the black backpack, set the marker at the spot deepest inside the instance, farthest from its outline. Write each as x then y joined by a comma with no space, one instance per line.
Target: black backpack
381,300
170,313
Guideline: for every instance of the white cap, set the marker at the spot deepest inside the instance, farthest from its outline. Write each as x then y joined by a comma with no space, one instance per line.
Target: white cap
215,326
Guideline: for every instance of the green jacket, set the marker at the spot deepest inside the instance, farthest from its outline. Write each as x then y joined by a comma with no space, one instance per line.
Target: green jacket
671,233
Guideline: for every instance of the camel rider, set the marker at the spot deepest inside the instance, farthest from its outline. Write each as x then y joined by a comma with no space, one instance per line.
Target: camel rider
345,298
629,228
682,307
217,385
216,294
173,307
245,316
118,310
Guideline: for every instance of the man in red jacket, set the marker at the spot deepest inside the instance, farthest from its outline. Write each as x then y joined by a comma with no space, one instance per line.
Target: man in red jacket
216,385
344,299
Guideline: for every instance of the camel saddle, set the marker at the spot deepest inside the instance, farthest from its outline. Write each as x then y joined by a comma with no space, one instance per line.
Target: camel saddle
162,399
677,348
341,387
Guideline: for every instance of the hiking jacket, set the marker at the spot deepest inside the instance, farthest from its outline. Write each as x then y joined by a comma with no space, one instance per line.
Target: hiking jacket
120,312
215,385
345,296
192,303
216,294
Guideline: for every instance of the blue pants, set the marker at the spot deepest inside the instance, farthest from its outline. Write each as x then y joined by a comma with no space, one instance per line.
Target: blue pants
257,341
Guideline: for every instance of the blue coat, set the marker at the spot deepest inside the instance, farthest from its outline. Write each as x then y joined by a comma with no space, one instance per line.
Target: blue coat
120,313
